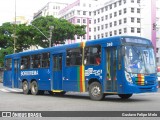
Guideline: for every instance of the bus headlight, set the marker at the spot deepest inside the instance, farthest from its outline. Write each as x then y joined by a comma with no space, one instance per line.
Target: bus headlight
128,77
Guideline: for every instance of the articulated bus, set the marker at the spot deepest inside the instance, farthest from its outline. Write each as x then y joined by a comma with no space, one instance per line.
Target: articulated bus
120,65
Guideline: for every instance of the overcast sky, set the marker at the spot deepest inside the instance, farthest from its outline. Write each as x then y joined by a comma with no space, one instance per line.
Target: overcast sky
23,8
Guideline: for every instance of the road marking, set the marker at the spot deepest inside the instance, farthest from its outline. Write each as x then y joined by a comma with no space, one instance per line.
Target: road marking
10,90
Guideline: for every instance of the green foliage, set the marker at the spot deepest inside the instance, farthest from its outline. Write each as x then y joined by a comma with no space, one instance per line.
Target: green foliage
25,36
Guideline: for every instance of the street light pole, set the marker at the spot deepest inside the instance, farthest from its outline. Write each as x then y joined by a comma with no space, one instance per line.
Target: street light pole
50,38
14,37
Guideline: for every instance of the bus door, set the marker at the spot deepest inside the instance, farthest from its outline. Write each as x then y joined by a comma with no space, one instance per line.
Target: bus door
111,76
15,69
57,72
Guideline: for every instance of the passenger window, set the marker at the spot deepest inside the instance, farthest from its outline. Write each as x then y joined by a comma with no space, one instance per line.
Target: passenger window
74,57
45,60
25,62
36,61
57,63
8,64
92,55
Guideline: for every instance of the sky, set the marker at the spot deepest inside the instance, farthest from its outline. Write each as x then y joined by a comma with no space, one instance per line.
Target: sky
23,8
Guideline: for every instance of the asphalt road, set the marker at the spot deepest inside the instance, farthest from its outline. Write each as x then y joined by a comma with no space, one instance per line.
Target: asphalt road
15,100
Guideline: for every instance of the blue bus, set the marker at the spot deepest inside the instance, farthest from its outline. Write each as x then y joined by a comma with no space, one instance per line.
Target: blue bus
120,65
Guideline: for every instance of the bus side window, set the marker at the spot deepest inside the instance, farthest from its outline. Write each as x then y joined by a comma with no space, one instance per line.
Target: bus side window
8,64
92,55
25,62
36,61
74,57
45,60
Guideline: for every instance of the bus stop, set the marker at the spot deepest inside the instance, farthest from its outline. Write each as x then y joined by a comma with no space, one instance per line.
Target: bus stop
1,74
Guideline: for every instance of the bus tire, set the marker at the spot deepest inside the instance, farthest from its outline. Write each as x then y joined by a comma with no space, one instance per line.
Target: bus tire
25,88
125,96
34,88
95,91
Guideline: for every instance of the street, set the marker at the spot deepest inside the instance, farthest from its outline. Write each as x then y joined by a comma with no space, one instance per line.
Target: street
15,100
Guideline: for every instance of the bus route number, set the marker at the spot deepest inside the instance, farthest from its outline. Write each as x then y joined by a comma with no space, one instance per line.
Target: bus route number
109,44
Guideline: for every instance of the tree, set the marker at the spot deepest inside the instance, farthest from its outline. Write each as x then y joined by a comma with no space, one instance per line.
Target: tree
62,30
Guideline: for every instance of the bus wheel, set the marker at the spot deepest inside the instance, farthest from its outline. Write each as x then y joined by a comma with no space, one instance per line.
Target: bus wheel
34,88
25,87
125,96
95,91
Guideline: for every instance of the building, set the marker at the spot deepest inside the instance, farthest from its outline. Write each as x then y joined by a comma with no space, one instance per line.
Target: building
105,18
80,12
51,8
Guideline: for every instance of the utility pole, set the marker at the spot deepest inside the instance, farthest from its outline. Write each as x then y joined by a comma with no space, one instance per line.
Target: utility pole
50,38
14,36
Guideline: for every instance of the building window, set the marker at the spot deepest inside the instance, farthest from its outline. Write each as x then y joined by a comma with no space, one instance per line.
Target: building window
90,21
120,22
78,37
110,33
94,12
115,14
102,36
89,29
138,30
84,12
125,20
115,4
125,30
132,19
106,34
94,21
120,2
110,15
84,20
106,8
102,9
98,28
138,10
125,10
115,32
98,12
106,17
138,20
132,10
124,1
120,31
106,26
102,27
138,1
120,12
98,20
132,29
110,6
90,13
102,18
94,36
94,29
78,20
89,37
115,23
98,36
132,1
110,24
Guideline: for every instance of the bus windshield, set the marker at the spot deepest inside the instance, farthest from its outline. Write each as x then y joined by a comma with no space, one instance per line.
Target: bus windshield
140,59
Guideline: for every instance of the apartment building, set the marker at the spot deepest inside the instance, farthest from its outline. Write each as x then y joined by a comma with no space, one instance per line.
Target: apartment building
105,18
51,8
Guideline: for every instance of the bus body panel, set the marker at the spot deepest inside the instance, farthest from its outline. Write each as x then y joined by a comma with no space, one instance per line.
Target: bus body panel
110,73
